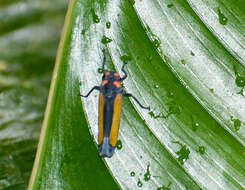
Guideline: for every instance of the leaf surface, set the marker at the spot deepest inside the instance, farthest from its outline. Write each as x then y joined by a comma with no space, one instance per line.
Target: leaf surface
175,65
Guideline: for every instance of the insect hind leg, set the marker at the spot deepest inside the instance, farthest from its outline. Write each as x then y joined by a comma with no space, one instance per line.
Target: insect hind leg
130,95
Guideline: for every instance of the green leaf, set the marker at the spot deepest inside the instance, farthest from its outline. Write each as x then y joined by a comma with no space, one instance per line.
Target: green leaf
232,34
201,52
187,141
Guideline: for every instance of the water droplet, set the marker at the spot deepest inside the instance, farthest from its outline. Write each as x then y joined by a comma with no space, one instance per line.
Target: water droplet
165,187
83,31
156,86
100,70
96,18
183,61
222,18
237,123
156,42
211,90
240,81
201,149
106,40
170,5
126,58
242,92
119,145
108,25
139,183
183,153
192,53
147,175
156,115
152,114
132,174
195,125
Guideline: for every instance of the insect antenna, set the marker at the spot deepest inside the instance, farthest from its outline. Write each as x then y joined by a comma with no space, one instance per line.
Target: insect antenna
104,61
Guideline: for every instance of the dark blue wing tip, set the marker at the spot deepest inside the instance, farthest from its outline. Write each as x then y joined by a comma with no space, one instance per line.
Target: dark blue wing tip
105,149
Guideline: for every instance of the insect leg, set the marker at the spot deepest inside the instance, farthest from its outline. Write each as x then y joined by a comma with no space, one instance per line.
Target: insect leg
130,95
94,88
125,74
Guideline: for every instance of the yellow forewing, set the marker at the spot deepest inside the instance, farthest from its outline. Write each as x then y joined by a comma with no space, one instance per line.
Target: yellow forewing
116,119
101,118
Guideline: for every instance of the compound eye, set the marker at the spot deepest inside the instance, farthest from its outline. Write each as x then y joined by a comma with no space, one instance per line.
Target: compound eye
117,74
104,82
117,84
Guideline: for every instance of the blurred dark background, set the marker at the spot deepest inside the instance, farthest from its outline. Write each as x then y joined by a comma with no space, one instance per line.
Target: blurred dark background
29,36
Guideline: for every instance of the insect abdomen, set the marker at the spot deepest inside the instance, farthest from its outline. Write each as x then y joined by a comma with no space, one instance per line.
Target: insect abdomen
109,121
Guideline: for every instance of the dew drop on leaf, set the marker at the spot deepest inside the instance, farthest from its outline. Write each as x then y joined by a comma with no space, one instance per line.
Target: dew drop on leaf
147,175
183,61
211,90
106,40
132,174
183,153
96,18
157,115
194,124
156,86
139,183
108,25
100,70
237,123
240,81
170,5
222,18
83,31
201,149
156,43
119,145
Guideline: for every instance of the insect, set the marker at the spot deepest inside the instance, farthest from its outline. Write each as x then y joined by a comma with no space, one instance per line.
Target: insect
110,104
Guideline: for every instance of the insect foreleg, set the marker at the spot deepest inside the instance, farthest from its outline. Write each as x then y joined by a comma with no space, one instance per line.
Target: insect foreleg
94,88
